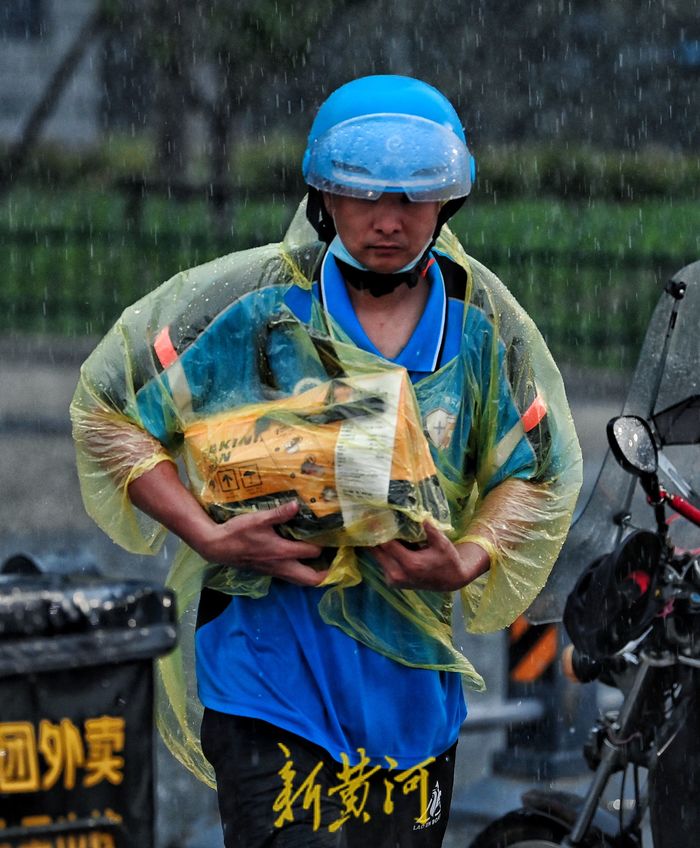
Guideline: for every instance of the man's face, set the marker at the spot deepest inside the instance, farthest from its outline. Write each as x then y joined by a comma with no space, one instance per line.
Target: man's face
384,234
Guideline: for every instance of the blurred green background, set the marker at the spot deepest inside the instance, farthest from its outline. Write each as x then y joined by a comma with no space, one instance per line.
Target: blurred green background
582,116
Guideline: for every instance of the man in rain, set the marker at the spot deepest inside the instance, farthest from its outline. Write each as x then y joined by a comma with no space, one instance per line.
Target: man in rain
331,687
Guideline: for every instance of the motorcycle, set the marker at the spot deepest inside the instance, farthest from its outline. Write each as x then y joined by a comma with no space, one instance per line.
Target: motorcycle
633,614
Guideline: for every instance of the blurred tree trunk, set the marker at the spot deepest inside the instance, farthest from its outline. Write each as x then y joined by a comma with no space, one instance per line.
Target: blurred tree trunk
172,154
20,151
167,41
242,46
220,132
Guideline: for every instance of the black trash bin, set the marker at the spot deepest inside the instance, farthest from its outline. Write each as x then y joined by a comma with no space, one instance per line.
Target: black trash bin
76,709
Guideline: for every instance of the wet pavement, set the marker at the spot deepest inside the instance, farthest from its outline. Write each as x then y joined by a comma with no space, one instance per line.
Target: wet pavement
41,514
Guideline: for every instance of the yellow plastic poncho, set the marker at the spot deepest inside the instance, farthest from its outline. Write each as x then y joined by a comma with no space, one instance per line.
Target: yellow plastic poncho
499,450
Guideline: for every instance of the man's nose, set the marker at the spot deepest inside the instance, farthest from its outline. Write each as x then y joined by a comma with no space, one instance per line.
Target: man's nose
387,216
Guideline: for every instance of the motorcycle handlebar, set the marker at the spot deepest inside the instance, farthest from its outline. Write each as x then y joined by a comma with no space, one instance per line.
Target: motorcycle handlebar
684,508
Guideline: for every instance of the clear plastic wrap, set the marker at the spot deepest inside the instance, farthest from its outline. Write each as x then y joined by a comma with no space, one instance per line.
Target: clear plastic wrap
349,450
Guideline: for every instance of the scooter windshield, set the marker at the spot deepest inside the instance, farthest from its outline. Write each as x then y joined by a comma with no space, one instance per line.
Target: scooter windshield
662,390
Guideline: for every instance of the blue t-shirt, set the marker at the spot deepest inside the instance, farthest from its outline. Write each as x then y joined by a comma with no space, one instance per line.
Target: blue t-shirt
273,657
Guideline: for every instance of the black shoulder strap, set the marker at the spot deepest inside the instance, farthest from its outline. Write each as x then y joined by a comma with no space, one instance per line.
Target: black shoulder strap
455,277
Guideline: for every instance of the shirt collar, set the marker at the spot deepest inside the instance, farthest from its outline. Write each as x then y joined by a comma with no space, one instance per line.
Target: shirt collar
422,350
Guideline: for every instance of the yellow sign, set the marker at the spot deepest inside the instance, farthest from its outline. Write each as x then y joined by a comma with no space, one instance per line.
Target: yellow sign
61,752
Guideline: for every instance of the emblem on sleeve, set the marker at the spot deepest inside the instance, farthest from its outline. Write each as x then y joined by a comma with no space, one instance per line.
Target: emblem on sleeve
440,425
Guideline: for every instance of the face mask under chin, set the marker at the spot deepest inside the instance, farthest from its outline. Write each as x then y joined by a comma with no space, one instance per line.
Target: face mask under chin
362,279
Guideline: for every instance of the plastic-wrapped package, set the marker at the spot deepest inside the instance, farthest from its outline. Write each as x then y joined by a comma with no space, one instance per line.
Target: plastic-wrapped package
350,450
493,453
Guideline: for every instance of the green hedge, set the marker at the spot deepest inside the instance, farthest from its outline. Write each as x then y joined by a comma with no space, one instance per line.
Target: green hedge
586,173
270,164
589,273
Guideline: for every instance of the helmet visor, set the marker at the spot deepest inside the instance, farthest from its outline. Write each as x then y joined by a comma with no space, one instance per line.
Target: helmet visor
372,154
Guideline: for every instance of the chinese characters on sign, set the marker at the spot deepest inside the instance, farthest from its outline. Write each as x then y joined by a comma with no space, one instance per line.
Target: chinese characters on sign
94,839
37,759
352,789
60,754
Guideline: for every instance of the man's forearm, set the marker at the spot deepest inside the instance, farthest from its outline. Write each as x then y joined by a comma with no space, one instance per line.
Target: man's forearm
248,540
476,561
161,494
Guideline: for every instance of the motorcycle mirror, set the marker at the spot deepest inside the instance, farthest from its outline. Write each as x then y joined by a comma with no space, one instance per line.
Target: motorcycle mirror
633,445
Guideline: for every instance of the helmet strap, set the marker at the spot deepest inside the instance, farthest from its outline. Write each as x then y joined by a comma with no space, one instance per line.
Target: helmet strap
380,284
447,210
317,215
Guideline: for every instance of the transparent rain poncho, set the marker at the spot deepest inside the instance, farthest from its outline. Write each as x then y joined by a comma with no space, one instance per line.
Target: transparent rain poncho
485,448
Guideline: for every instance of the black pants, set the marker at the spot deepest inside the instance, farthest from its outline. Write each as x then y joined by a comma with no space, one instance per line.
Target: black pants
277,790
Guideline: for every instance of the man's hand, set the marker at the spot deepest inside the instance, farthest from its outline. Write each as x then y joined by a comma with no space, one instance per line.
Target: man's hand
251,541
247,541
438,565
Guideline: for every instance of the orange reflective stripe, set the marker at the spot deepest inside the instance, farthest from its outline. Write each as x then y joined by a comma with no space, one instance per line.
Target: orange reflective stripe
164,348
534,414
534,664
518,628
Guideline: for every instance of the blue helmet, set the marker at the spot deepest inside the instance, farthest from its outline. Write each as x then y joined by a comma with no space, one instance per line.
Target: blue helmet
389,134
